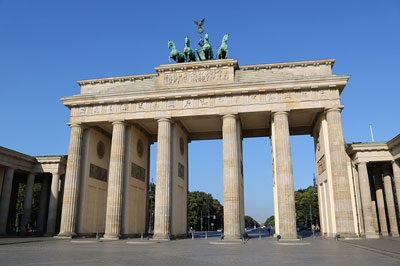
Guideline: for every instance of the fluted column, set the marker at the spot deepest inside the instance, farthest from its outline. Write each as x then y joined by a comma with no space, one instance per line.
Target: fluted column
387,181
396,179
380,202
5,199
71,187
163,180
53,202
26,216
368,216
115,182
43,204
284,176
232,182
340,179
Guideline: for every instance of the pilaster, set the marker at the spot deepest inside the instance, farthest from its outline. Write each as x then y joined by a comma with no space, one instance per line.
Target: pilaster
380,202
162,215
71,187
5,199
283,176
53,203
115,182
340,179
232,178
387,181
369,228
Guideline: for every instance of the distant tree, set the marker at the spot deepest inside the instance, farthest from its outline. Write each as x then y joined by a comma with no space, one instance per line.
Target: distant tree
37,187
203,205
270,221
307,210
249,222
152,200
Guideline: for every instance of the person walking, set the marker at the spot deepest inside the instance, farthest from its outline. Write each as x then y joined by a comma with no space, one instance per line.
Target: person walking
269,230
317,229
313,230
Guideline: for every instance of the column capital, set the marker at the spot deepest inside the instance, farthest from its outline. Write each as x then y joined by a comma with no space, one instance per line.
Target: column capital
71,125
118,122
229,115
334,108
164,119
280,112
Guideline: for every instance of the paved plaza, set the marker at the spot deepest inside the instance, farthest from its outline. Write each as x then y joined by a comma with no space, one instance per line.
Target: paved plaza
267,251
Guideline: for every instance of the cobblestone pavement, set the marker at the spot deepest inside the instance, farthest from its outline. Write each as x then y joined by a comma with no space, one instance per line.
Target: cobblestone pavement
266,251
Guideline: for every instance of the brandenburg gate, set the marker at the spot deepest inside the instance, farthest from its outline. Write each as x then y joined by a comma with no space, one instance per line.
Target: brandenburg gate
115,120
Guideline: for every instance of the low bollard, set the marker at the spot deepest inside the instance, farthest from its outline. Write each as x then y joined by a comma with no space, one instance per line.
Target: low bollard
259,234
206,235
141,236
192,235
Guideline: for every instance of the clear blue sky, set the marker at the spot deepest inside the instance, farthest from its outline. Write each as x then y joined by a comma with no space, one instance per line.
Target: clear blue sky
46,46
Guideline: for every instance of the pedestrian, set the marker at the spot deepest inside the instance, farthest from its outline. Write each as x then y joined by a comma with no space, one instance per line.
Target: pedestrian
313,230
317,229
26,230
269,230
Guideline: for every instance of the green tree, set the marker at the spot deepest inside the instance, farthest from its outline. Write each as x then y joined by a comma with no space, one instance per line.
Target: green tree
307,210
270,221
203,205
152,200
249,222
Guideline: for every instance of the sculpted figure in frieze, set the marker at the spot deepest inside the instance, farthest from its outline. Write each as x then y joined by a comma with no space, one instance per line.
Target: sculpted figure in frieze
223,49
190,56
175,54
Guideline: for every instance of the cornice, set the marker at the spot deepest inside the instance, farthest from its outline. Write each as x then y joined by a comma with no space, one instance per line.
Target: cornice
115,79
205,65
197,65
394,142
290,64
366,147
209,90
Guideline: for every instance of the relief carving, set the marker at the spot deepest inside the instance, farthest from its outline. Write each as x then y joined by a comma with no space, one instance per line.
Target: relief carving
321,165
195,76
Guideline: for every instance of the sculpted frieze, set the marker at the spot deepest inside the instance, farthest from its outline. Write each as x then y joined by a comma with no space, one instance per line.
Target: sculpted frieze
193,77
263,97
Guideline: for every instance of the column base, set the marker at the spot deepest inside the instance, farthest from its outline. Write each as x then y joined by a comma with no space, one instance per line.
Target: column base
395,235
231,238
66,235
161,237
371,235
384,234
111,237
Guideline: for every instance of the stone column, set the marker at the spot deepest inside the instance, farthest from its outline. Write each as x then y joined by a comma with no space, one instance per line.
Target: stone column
232,179
387,181
162,206
71,187
284,176
5,199
52,214
365,192
396,177
26,216
380,202
115,182
43,204
340,179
